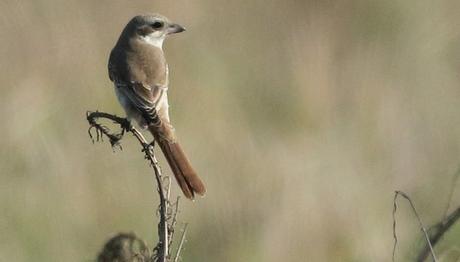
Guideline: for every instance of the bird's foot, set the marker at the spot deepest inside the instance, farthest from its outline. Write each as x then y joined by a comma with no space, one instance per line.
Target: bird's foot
126,125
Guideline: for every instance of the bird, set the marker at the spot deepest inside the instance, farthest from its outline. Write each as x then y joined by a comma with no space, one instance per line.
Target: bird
140,74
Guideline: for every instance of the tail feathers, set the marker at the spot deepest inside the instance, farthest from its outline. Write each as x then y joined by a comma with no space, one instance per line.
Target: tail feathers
186,176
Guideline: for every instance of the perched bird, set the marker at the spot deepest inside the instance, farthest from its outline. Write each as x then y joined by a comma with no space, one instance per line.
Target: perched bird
138,69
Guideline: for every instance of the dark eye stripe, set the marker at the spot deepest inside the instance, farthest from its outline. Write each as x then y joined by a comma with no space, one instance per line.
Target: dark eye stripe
157,25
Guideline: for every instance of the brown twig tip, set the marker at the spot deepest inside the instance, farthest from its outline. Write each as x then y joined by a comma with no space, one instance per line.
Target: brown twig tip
101,130
162,251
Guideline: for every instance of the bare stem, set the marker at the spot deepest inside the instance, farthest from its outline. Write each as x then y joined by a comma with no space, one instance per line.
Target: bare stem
182,240
422,227
437,231
164,232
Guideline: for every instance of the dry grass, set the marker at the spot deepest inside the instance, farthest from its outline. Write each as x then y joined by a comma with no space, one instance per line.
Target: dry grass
303,117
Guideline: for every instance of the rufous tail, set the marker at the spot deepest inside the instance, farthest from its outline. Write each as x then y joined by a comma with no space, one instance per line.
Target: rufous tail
186,176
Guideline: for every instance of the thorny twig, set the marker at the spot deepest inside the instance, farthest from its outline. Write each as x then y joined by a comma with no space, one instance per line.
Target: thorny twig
102,130
174,220
162,251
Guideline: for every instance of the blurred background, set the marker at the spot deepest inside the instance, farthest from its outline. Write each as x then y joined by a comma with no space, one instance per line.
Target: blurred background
302,117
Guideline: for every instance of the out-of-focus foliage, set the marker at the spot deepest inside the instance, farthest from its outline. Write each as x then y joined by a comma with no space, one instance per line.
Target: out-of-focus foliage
301,116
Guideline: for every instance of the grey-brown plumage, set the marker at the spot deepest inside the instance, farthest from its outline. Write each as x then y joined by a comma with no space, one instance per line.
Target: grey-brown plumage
138,68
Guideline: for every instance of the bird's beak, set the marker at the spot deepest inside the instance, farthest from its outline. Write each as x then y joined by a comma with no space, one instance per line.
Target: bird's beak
175,28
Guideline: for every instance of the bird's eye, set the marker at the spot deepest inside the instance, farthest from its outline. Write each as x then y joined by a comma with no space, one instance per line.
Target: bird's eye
157,25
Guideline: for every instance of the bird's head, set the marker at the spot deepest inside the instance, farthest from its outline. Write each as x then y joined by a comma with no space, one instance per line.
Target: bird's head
152,28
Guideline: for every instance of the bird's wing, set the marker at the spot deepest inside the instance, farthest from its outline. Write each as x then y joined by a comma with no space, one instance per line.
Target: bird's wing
138,93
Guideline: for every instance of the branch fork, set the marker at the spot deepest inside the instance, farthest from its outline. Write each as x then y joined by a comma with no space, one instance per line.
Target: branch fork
167,210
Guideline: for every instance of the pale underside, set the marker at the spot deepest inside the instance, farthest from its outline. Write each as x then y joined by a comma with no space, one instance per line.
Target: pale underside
133,113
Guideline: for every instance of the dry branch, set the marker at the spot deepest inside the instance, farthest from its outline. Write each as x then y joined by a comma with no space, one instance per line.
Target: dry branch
162,251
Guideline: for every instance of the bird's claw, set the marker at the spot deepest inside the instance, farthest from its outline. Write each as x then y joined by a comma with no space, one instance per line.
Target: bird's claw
126,125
